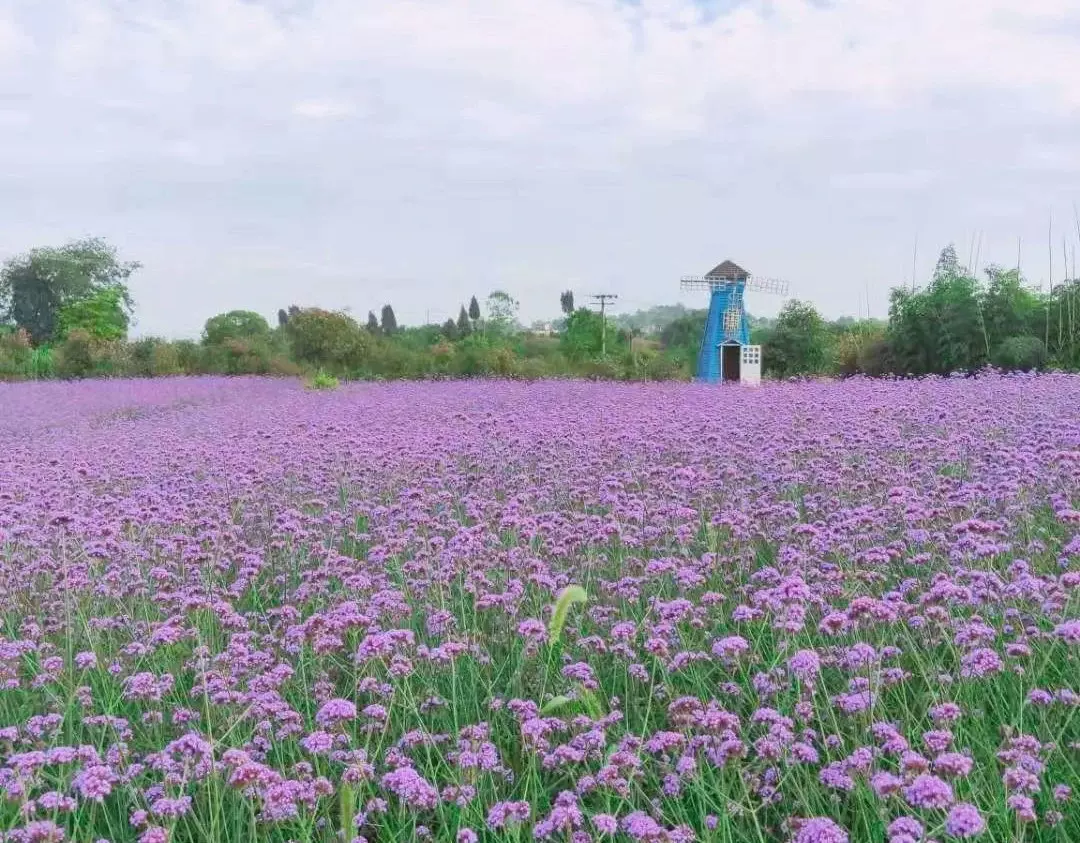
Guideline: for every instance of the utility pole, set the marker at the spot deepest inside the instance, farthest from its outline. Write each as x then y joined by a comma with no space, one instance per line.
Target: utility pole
603,299
914,262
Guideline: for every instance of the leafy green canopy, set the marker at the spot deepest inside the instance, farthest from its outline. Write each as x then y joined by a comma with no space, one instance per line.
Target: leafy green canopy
49,291
235,325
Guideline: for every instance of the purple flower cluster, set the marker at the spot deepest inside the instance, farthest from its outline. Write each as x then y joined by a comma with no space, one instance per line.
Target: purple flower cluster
802,601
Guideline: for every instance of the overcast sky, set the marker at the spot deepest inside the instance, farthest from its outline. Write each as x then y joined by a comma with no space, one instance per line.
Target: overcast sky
346,153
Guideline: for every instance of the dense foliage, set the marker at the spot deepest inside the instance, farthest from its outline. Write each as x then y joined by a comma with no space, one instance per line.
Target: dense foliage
566,612
79,286
241,325
67,313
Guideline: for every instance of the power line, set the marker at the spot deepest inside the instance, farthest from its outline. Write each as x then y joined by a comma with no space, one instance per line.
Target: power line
603,299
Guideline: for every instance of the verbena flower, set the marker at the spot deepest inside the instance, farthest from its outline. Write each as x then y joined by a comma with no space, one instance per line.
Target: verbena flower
820,830
964,821
927,791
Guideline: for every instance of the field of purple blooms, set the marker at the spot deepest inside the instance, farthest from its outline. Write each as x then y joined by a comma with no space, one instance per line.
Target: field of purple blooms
239,610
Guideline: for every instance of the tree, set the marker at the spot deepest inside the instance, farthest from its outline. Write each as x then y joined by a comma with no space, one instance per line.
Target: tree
853,341
948,264
464,325
799,343
1022,352
329,339
75,355
282,318
683,335
372,322
1059,322
101,315
566,301
35,287
16,354
1008,308
450,330
235,325
941,329
502,311
960,340
389,321
582,337
474,309
876,357
910,332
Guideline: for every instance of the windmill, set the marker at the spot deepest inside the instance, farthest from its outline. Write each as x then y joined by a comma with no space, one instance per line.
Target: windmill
726,355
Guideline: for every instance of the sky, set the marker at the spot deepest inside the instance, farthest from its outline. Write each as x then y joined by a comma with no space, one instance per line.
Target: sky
348,153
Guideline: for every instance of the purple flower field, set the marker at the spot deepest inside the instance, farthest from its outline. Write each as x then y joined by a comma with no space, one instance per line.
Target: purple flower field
239,610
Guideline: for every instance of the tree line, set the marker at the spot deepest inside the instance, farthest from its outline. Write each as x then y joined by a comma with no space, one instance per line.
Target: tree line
66,312
958,322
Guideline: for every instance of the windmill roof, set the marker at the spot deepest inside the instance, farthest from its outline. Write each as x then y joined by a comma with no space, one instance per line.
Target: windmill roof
727,270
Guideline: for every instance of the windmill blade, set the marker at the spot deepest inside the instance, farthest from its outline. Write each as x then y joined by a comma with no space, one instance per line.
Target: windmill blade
754,283
698,282
767,285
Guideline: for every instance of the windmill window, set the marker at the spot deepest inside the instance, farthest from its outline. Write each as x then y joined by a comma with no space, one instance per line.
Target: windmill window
731,320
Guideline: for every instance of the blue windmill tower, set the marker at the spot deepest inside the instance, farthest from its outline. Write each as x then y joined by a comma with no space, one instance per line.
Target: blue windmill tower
726,355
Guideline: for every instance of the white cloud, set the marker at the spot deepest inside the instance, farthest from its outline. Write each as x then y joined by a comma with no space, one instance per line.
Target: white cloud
13,118
322,109
499,121
657,62
904,180
1051,157
14,42
649,56
576,137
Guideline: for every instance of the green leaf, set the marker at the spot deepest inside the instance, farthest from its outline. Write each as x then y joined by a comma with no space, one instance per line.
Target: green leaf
554,704
592,703
567,597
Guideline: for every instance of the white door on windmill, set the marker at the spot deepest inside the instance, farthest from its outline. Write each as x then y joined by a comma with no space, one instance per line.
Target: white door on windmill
750,365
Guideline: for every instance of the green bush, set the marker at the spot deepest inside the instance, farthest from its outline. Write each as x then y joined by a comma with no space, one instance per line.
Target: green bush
329,340
1022,353
16,355
606,370
441,358
282,366
504,363
74,356
110,359
539,346
876,358
664,368
848,347
583,337
190,357
323,381
103,315
141,354
42,362
165,360
235,325
392,359
534,369
799,343
153,357
472,357
246,357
